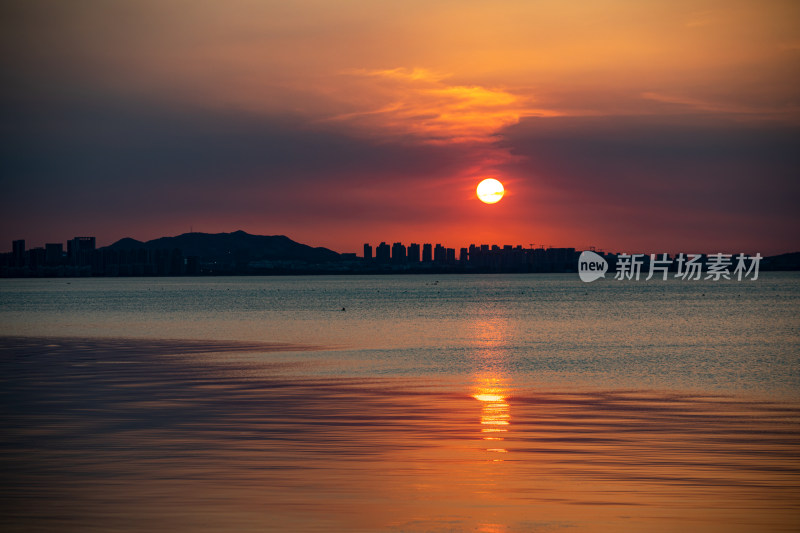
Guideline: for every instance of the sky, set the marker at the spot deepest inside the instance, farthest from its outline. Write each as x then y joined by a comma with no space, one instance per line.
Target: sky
659,126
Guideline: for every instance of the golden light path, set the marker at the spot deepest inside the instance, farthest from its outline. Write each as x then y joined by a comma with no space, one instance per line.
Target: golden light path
495,416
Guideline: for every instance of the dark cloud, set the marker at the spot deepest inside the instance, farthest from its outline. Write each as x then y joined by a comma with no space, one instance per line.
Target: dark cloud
94,141
640,154
719,177
123,147
86,160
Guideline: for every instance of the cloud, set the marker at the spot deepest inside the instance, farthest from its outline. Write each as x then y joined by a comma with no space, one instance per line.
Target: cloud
122,161
692,104
421,104
95,140
684,178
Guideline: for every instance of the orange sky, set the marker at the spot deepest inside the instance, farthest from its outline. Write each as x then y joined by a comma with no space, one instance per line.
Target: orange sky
659,126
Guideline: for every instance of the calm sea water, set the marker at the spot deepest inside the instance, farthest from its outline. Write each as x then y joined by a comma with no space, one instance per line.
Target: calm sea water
410,403
535,329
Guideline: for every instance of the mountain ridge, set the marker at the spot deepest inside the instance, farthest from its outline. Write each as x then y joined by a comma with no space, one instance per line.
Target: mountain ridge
237,246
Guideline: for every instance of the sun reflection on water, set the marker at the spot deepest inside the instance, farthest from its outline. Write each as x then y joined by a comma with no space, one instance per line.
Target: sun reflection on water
489,385
495,415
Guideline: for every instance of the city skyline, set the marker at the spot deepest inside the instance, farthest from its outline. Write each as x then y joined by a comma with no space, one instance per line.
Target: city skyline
373,247
668,126
240,253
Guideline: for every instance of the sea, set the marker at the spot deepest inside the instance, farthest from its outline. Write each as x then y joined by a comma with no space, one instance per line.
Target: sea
489,403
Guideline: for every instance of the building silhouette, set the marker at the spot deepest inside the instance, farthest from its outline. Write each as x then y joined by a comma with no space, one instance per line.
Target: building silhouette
382,253
36,258
54,253
398,253
79,250
134,258
18,253
477,258
413,253
439,254
427,254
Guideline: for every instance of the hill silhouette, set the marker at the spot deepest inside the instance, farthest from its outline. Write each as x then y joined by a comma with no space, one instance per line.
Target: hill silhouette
238,246
790,261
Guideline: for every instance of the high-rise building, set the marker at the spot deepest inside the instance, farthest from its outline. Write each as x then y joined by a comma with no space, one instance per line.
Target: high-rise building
439,254
398,253
474,255
413,253
382,253
18,253
36,258
79,250
427,253
80,244
54,253
367,252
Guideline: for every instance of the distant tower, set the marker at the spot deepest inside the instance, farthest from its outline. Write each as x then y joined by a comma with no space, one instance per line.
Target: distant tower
18,253
382,253
413,253
439,254
54,253
367,252
474,255
427,253
79,250
398,253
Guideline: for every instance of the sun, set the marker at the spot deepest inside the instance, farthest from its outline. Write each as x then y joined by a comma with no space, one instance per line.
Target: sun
490,191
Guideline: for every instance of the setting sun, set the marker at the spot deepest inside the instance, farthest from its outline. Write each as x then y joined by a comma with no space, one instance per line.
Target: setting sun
490,191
